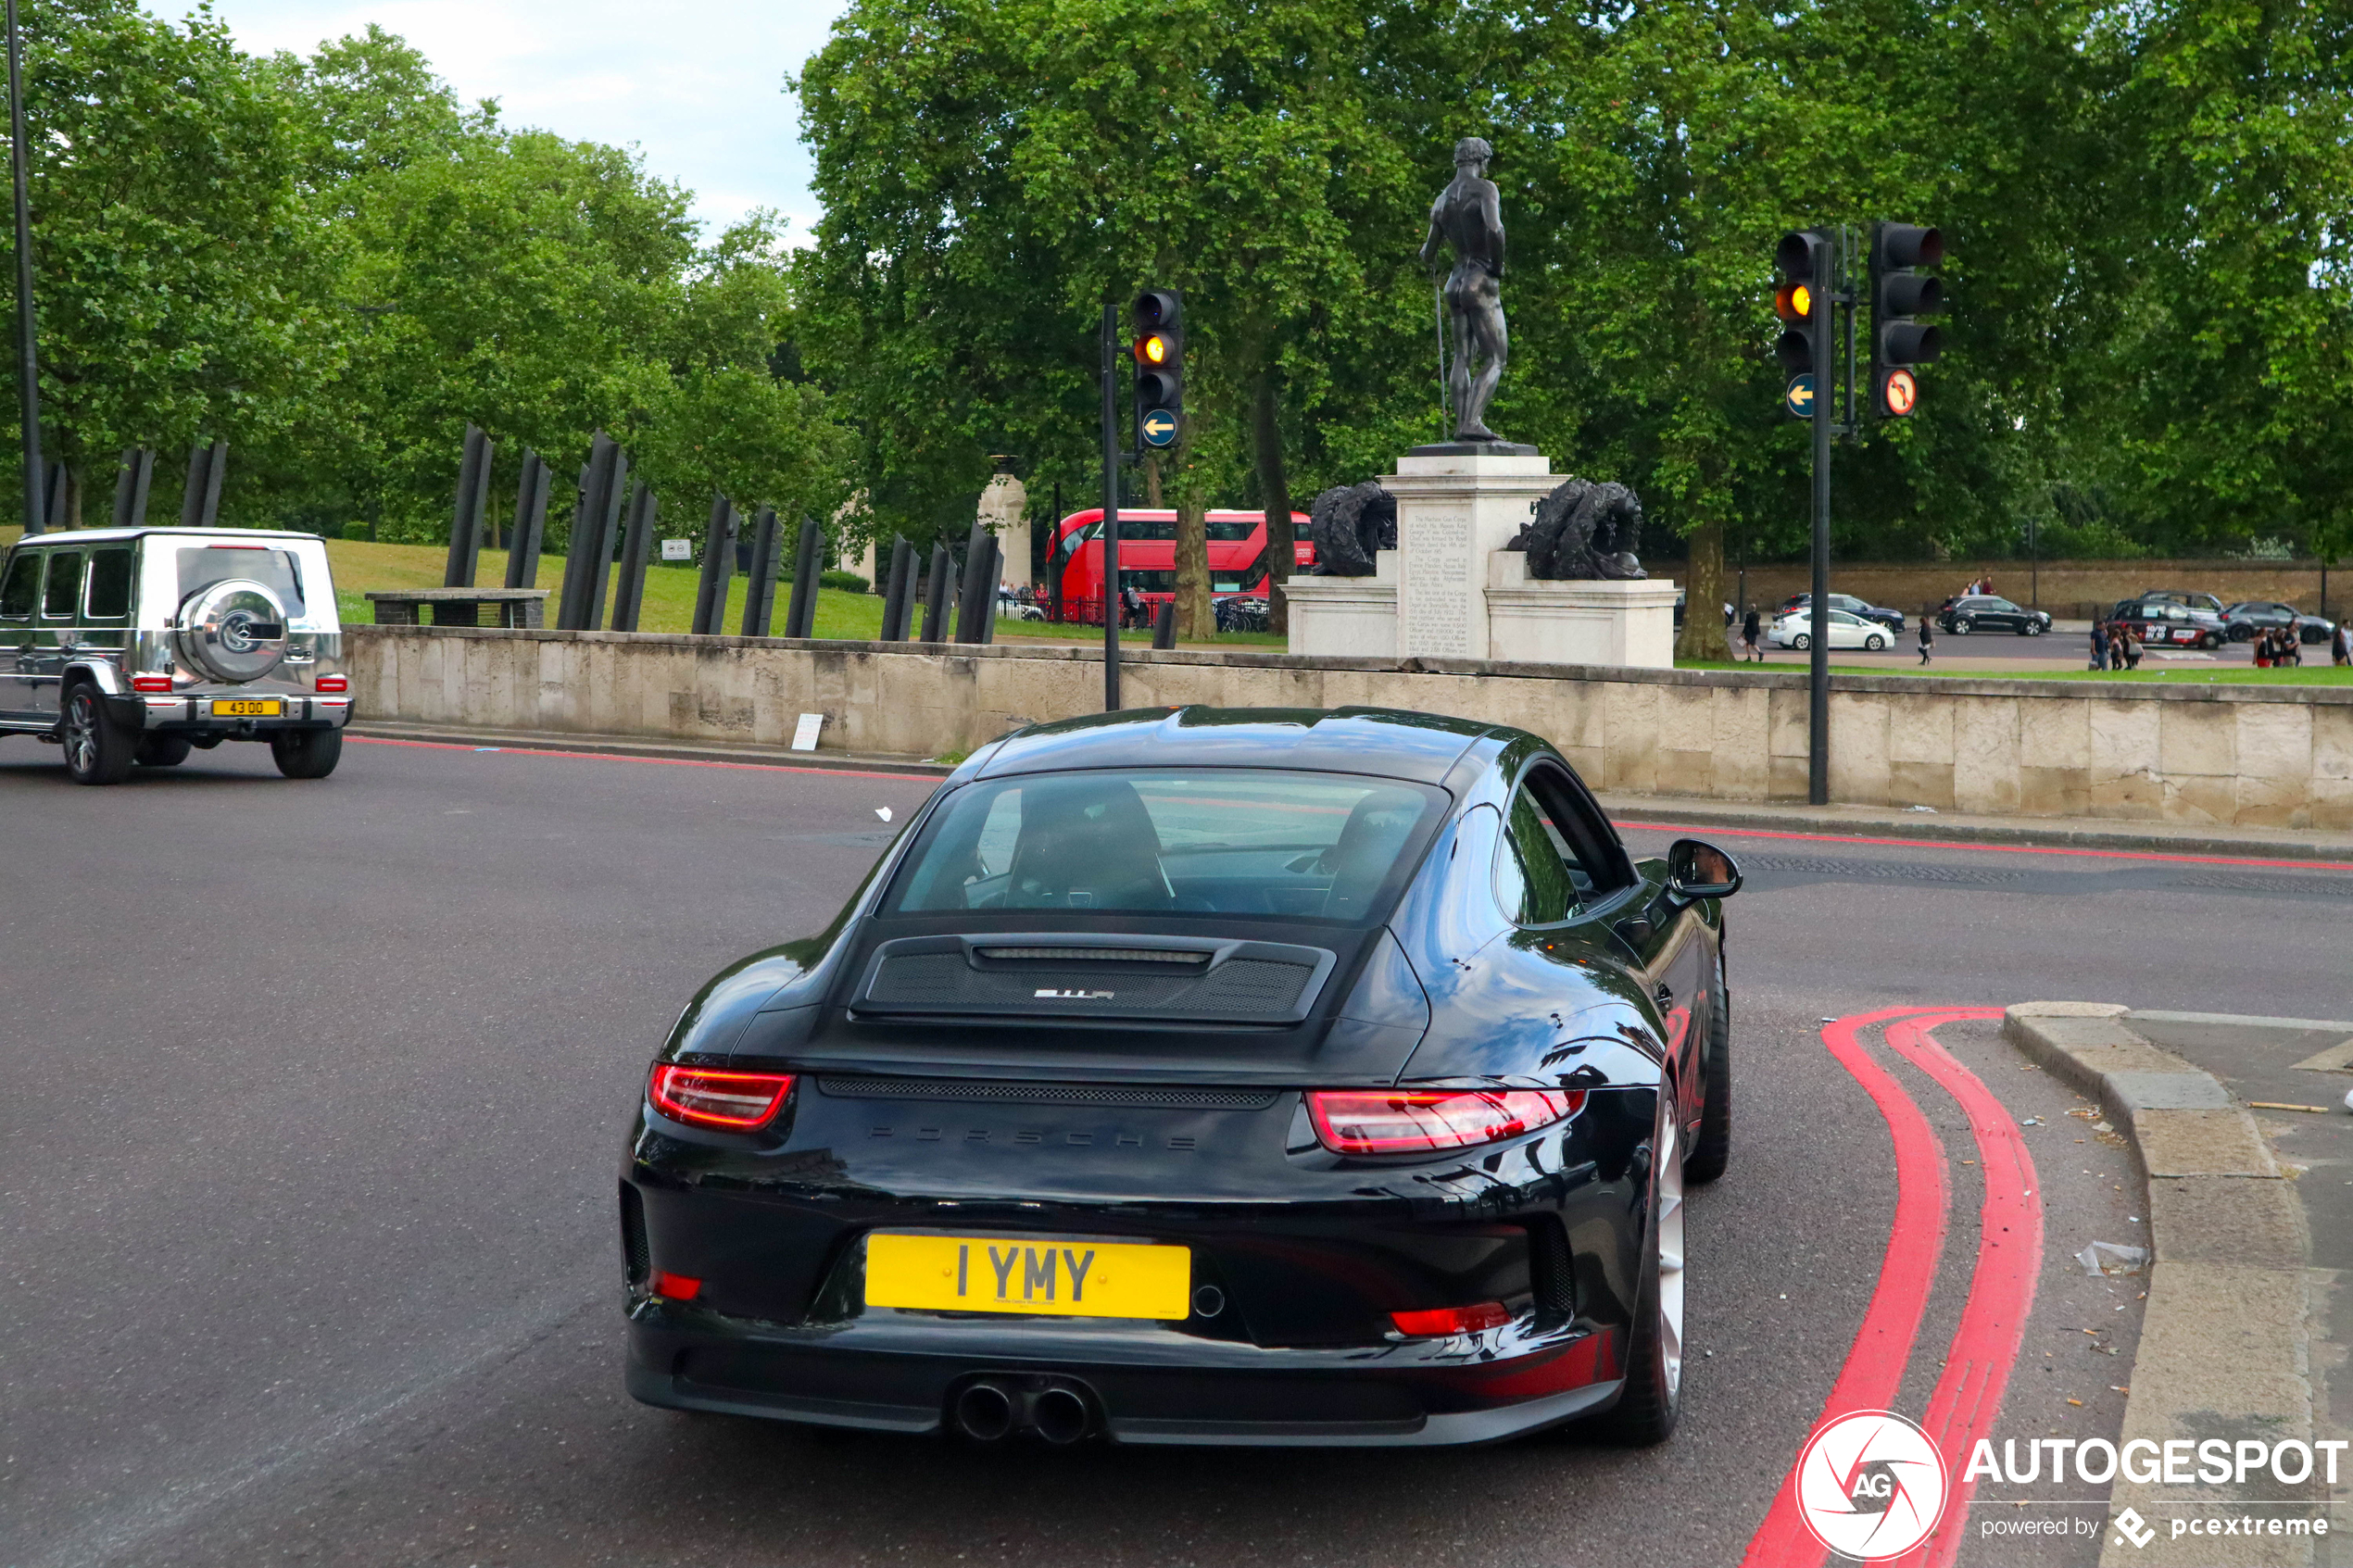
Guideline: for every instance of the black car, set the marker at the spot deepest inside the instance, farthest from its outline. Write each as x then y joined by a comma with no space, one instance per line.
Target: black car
1203,1077
1891,619
1991,612
2250,618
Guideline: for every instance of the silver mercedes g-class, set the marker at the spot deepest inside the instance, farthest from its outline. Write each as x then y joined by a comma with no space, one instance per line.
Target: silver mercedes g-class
131,646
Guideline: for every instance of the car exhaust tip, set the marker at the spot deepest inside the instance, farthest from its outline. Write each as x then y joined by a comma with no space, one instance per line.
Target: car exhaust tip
1061,1416
984,1412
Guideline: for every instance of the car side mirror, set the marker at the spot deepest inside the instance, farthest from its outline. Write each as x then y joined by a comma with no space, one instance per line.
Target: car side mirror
1696,870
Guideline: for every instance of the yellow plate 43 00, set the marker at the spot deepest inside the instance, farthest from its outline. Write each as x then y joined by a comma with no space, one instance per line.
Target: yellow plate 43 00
247,707
995,1273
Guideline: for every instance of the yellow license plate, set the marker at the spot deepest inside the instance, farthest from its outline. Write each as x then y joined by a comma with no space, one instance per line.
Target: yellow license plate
248,707
992,1274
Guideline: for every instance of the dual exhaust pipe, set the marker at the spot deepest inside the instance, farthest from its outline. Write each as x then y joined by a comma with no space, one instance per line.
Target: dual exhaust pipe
989,1410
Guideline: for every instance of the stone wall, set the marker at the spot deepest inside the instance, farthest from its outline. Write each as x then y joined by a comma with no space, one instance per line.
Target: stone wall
2255,755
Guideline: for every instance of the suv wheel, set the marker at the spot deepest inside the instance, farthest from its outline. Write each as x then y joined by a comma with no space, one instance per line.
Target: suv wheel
98,750
1961,624
163,750
307,753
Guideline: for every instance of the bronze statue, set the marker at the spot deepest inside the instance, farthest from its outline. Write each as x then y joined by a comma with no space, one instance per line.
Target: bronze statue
1350,524
1468,216
1583,531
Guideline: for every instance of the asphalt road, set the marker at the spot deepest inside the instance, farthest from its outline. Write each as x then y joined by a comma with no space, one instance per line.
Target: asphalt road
317,1093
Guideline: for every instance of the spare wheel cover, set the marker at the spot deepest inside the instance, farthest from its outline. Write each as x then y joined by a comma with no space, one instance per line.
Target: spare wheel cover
234,631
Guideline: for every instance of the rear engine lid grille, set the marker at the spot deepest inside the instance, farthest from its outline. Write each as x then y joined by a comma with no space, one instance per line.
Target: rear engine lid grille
1057,976
1145,1096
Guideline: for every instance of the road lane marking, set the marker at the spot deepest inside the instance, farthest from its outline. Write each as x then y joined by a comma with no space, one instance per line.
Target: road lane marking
2341,867
924,779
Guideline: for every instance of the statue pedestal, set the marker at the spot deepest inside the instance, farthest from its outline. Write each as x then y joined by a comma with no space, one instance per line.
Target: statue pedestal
1455,509
1450,590
1346,617
1534,621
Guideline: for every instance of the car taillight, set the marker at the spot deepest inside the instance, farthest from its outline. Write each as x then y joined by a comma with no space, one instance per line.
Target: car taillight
1441,1320
677,1287
1421,1121
151,682
702,1097
332,683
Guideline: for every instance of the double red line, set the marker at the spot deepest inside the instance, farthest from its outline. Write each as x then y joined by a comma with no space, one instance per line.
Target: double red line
1977,1367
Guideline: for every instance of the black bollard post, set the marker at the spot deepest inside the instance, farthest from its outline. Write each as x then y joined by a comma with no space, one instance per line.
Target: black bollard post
137,472
937,592
760,593
1165,625
593,527
465,517
637,550
809,561
899,594
531,522
200,504
718,567
994,575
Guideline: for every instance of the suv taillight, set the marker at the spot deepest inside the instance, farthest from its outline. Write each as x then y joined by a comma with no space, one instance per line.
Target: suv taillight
1425,1121
151,682
332,683
702,1097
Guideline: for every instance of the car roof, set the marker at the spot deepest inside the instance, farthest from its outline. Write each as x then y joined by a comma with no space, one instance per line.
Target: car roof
112,535
1388,743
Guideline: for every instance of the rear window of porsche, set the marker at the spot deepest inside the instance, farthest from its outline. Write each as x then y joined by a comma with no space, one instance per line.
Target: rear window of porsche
1223,841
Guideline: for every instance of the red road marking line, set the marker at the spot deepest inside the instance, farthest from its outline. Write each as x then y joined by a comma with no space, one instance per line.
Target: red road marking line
2340,866
627,757
2001,1292
1914,1240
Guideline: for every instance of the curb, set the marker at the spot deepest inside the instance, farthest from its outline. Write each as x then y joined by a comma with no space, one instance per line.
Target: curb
624,746
2077,834
2225,1341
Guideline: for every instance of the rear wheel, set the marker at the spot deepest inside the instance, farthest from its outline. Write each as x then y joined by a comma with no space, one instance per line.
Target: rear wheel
2209,640
1654,1395
1961,625
307,753
1801,642
99,750
162,750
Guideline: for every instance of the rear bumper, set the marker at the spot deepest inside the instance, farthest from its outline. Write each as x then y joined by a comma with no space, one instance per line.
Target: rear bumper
192,715
1146,1387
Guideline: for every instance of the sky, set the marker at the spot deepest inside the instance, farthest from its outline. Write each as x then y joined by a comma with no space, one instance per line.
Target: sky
699,87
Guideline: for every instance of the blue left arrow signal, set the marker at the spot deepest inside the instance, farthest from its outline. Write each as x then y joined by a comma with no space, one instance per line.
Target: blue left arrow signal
1799,398
1160,428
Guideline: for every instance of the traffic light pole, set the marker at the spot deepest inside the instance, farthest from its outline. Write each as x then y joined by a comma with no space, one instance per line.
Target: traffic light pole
1817,703
28,377
1111,511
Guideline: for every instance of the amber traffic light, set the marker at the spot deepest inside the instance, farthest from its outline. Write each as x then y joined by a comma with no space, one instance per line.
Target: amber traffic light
1158,319
1799,300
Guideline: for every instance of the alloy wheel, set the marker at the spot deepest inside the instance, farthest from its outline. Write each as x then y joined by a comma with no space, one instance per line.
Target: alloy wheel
81,733
1670,1252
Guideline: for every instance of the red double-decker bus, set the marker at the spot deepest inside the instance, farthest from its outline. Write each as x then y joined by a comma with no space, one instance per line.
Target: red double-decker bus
1148,557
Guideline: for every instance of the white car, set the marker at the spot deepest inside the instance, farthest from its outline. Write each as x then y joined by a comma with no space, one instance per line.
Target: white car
1795,630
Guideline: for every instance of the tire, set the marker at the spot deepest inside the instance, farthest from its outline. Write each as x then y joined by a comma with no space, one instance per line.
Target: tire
1801,642
1961,625
163,750
2210,642
1875,642
1646,1411
307,753
2032,629
99,750
1712,1150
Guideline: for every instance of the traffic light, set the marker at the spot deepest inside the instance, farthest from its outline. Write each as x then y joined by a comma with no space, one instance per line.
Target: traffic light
1801,300
1899,294
1159,318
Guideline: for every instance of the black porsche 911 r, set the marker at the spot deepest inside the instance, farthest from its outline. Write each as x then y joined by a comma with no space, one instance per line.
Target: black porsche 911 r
1203,1077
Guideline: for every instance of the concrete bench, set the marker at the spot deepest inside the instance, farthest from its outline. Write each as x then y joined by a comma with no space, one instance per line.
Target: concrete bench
460,606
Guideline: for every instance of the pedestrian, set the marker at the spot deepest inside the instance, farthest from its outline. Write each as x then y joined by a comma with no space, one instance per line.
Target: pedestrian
2099,644
1928,636
1751,630
2132,650
2291,651
2341,645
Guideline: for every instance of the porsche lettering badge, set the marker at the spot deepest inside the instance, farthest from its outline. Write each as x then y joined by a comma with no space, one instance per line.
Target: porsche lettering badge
1047,991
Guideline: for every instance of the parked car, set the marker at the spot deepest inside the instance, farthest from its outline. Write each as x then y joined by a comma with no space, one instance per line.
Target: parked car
1795,630
1203,1077
2243,622
131,646
1891,619
1991,612
2171,624
2183,597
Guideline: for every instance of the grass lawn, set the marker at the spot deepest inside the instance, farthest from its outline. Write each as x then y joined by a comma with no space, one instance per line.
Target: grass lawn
2312,673
669,597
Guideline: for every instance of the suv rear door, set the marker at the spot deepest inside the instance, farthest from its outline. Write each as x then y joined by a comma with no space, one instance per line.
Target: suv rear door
19,600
